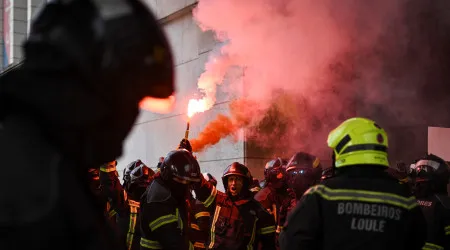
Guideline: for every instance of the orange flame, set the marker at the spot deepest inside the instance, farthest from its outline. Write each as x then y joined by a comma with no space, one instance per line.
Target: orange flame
196,106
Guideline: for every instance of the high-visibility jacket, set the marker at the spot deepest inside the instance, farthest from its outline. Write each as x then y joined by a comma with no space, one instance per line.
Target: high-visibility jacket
362,207
163,219
236,224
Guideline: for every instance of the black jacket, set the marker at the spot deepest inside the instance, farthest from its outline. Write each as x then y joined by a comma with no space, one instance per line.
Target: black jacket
436,209
50,203
163,219
362,207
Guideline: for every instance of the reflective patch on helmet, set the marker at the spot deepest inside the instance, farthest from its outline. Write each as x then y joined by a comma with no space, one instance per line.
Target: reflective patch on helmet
316,163
430,163
280,175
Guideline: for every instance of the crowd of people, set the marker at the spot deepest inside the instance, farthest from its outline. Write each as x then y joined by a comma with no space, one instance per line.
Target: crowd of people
66,109
360,200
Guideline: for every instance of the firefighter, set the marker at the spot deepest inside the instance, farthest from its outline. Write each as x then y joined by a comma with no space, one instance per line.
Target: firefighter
126,172
164,207
238,221
274,195
430,177
304,171
113,191
362,207
201,218
138,180
68,107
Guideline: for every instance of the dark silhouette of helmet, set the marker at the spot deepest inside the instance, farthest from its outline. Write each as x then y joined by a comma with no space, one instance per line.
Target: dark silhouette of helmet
429,175
239,169
430,168
141,175
181,166
145,60
127,170
274,171
303,171
209,178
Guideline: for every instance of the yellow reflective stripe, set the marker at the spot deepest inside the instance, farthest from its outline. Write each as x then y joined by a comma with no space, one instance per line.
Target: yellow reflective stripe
211,198
363,196
274,211
213,226
180,221
268,230
202,214
107,170
195,226
131,226
163,220
191,247
199,245
431,246
151,244
252,239
279,228
447,230
112,213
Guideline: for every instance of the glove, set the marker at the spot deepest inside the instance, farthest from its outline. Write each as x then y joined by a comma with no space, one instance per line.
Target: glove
185,144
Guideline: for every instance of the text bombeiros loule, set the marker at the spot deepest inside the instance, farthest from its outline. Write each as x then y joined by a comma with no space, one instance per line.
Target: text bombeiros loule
368,217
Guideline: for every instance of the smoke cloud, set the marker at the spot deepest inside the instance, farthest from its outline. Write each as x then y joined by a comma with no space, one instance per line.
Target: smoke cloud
308,65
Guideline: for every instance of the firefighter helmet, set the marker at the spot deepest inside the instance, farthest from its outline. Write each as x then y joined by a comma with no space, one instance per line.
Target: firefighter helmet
94,45
430,168
130,167
141,176
209,178
181,166
237,168
359,141
274,171
303,171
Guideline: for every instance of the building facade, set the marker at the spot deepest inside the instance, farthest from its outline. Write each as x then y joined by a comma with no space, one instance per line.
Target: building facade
16,16
154,135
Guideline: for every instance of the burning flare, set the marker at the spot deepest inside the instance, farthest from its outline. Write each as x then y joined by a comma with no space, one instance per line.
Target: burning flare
196,106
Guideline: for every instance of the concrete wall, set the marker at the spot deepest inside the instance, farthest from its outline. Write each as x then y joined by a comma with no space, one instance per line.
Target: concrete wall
154,135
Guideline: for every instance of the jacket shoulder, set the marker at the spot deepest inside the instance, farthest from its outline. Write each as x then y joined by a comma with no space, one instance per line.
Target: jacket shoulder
263,194
157,193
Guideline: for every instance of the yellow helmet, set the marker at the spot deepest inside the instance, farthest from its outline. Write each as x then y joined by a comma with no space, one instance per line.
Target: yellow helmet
359,141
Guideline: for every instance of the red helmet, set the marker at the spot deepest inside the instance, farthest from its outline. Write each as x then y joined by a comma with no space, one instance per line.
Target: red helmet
237,168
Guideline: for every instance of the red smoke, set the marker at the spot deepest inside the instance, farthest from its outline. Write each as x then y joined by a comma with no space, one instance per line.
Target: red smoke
301,48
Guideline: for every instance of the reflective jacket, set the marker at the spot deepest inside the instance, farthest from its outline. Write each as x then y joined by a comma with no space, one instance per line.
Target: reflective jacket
129,226
236,225
436,209
199,224
163,219
362,207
